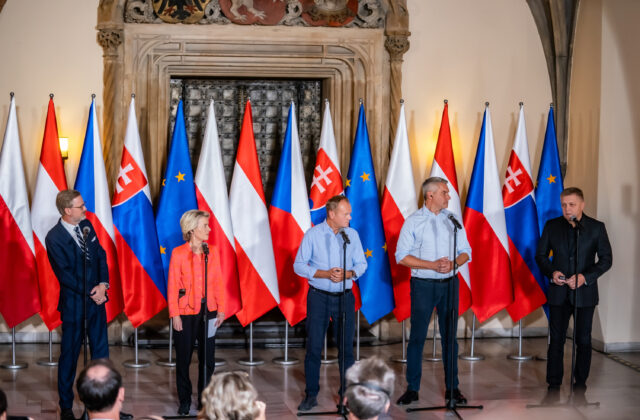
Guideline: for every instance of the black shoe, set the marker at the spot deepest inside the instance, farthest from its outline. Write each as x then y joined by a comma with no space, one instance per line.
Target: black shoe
67,414
408,397
553,387
579,386
308,403
184,408
125,416
460,399
199,406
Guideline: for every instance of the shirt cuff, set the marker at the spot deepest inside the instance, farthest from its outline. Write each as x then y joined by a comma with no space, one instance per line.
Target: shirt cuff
106,285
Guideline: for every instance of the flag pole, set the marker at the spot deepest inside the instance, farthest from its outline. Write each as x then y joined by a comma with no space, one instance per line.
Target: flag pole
471,357
136,362
49,361
520,357
433,357
403,358
325,358
168,362
13,364
543,357
251,361
286,361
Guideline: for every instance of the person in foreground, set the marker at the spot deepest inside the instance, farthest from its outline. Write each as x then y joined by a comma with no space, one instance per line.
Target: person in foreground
369,388
66,244
4,408
594,259
187,304
230,395
425,245
319,259
100,389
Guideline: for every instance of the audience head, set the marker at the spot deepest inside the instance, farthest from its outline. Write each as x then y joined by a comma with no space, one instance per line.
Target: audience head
369,388
231,396
3,405
100,387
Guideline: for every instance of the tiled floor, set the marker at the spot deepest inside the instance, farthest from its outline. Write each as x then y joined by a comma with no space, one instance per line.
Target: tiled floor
507,389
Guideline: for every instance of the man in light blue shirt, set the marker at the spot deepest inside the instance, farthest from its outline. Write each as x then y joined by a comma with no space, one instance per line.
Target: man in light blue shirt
425,245
320,259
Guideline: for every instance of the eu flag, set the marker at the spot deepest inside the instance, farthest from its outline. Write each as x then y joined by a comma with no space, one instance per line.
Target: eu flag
548,184
549,181
375,286
178,193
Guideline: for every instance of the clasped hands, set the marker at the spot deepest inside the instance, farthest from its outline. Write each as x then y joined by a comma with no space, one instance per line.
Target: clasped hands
442,265
560,280
99,294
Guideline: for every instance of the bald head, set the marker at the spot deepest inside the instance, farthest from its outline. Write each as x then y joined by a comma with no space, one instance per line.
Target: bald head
100,386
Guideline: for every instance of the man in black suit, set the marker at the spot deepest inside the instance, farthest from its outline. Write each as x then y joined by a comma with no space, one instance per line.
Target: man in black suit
594,259
66,243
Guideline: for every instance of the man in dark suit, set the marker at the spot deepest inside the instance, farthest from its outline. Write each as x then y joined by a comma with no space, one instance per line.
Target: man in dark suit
593,259
66,243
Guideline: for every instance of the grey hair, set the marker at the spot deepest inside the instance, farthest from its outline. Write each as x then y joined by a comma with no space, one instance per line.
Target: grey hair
431,183
369,387
230,395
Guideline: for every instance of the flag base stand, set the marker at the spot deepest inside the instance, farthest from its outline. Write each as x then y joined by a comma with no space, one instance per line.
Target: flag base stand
325,357
286,360
251,361
50,361
403,358
220,362
433,357
519,357
472,357
136,363
13,364
168,362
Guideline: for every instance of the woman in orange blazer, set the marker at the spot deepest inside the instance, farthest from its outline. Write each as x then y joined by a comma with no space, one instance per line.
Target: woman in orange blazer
186,303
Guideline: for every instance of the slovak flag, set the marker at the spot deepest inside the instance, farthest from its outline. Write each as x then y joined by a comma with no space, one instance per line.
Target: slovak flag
491,288
290,219
44,215
250,219
398,202
522,228
444,166
327,181
211,193
91,182
19,298
141,270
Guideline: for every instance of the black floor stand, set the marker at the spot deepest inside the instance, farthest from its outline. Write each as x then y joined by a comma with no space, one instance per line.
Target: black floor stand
452,404
342,409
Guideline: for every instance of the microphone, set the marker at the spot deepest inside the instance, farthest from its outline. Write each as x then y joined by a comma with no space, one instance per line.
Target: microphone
345,238
455,221
205,248
85,232
575,220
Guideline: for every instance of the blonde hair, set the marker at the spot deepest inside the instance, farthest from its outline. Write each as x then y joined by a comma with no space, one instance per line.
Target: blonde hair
229,396
189,221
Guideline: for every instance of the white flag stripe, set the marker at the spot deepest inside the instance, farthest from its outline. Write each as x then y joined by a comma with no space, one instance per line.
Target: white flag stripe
299,198
400,183
134,146
251,228
493,208
520,145
212,185
44,214
327,137
13,187
101,188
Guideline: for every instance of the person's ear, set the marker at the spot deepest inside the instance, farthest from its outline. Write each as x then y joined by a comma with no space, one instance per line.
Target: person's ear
386,407
121,394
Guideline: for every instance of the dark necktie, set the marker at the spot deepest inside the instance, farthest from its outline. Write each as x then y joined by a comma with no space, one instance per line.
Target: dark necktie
81,242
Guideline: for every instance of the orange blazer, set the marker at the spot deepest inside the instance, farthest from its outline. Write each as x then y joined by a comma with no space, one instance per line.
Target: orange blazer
186,271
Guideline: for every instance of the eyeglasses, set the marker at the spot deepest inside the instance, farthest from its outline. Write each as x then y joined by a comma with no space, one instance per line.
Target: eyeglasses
77,207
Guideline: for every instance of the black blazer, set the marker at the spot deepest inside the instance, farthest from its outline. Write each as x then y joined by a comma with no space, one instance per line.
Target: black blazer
66,261
594,242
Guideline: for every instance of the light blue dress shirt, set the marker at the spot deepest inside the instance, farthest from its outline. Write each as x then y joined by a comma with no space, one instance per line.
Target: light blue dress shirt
429,236
321,249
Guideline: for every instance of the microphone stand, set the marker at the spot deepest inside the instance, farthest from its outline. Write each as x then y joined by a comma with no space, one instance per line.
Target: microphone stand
342,409
205,330
453,315
575,305
85,251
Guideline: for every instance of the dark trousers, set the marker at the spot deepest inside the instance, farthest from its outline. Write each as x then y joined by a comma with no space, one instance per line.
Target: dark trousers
320,308
71,345
425,296
185,341
558,323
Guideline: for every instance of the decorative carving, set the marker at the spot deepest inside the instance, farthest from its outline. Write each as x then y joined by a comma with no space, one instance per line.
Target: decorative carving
339,13
110,39
180,11
397,45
